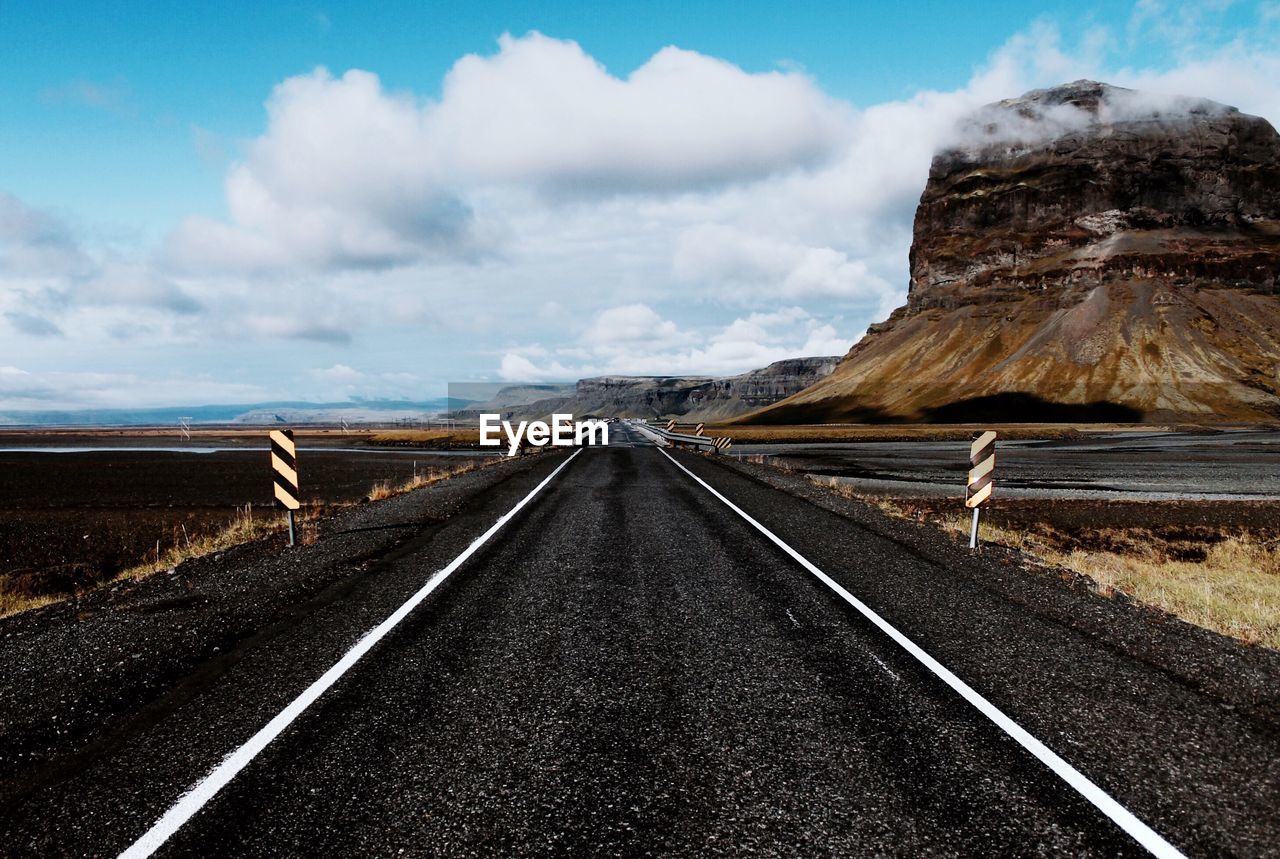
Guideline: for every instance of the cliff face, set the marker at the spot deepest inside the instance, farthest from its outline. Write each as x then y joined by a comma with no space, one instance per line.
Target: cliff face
729,397
700,398
1091,253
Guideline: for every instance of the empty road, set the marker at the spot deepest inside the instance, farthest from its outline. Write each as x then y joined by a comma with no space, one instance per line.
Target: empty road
625,665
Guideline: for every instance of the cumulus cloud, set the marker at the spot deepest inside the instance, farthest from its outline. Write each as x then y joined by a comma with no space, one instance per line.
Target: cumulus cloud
543,110
748,267
350,175
636,339
341,178
629,325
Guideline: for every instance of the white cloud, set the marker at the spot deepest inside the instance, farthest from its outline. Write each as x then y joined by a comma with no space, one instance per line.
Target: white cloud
628,325
747,267
518,368
341,178
543,110
22,390
36,244
635,339
349,175
341,382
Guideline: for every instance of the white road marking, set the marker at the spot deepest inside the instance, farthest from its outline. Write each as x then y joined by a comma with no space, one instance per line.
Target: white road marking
199,794
1125,819
793,618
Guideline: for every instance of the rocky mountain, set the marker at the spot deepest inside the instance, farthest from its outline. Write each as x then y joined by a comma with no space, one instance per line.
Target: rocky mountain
701,398
1088,253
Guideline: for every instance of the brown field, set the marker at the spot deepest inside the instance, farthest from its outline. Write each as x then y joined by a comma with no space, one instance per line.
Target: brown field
437,439
70,521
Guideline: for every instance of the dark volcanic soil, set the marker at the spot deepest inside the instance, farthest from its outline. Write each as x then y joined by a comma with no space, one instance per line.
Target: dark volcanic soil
1184,530
68,520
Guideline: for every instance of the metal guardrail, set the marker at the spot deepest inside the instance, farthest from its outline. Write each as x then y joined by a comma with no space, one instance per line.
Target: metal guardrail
662,436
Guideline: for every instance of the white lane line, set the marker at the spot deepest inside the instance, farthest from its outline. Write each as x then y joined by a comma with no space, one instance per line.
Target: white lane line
198,795
1125,819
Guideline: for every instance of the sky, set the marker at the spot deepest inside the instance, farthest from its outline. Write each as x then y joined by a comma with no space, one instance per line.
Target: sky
245,202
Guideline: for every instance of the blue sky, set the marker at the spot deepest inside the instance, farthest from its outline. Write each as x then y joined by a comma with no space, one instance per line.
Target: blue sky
444,201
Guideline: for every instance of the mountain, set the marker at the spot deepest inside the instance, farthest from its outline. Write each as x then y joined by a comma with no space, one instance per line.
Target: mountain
1088,253
700,398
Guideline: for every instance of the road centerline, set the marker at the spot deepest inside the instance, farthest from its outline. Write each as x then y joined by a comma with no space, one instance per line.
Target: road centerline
196,797
1151,840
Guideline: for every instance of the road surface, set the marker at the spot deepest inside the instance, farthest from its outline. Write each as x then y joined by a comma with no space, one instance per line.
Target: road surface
624,666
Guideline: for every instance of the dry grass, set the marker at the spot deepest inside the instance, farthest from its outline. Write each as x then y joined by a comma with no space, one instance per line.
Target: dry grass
12,603
1235,590
1229,582
244,528
438,438
387,489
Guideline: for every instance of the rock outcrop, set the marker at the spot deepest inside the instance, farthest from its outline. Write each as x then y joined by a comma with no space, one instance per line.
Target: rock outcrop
1089,253
701,398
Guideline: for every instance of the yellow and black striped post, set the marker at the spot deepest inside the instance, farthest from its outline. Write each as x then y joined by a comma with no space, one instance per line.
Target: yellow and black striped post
698,430
982,465
284,469
723,443
671,425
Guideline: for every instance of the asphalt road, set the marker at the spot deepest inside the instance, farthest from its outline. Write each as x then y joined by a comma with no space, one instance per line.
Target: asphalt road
1230,465
627,667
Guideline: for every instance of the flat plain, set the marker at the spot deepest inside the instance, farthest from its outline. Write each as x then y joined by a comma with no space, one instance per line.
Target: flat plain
78,509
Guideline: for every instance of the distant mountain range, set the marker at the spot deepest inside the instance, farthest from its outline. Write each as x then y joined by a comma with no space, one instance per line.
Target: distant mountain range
694,398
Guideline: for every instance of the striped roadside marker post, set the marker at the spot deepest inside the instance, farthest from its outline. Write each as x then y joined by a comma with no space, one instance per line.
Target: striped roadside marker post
671,424
698,430
723,443
284,468
982,462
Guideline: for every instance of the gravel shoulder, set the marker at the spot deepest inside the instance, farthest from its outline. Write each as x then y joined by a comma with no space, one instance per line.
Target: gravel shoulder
84,678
